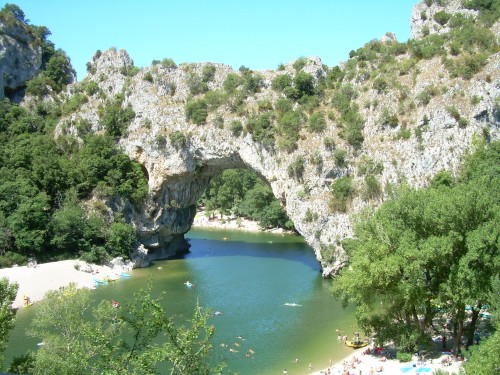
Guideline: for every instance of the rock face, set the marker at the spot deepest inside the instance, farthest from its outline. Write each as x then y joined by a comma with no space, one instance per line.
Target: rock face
427,138
423,16
20,60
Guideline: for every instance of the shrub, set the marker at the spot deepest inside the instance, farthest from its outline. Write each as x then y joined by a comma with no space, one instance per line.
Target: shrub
281,82
317,122
236,128
232,82
372,187
388,118
195,84
148,77
403,357
427,47
380,84
178,139
466,66
304,83
299,63
367,166
114,118
168,63
196,111
340,157
208,73
215,99
329,143
453,112
442,17
296,168
342,191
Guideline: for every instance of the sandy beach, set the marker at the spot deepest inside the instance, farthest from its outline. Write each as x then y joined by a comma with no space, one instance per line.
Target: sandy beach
35,282
201,220
359,363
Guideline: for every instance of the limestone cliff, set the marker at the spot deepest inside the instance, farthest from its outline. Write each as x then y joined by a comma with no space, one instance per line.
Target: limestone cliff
418,119
20,57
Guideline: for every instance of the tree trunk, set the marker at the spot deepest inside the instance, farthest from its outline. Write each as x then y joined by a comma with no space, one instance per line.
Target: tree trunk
458,330
472,326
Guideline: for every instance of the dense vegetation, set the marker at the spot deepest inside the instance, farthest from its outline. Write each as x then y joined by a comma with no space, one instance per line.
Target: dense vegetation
44,181
425,255
242,193
135,338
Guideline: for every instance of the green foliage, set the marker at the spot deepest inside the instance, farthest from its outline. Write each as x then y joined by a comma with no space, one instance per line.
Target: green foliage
351,120
296,168
342,191
466,66
232,82
236,128
241,192
427,47
215,99
317,122
197,111
281,82
115,118
372,187
178,139
340,157
404,356
380,84
425,255
367,166
388,119
8,293
261,128
442,17
133,338
195,84
148,77
299,63
208,73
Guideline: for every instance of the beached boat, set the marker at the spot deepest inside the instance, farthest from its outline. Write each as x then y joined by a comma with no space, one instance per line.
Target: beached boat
356,344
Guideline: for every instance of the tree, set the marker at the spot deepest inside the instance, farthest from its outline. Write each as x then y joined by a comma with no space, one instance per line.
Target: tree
426,254
8,293
133,338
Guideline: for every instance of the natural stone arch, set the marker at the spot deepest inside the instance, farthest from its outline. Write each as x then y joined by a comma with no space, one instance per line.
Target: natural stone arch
179,172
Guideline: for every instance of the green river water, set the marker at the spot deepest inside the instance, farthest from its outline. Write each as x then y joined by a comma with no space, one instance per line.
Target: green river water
249,277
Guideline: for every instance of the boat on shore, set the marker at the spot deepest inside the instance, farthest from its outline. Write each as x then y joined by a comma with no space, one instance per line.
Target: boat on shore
356,344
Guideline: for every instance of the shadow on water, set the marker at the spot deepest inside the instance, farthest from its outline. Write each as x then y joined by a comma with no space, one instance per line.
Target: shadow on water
290,247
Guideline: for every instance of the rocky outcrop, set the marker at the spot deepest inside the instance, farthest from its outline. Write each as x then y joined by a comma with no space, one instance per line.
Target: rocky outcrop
423,17
427,137
20,59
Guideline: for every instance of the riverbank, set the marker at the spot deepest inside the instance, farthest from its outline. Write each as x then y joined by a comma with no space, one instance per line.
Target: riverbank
202,220
36,281
367,361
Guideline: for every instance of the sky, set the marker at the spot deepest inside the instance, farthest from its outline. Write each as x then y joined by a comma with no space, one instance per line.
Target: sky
259,34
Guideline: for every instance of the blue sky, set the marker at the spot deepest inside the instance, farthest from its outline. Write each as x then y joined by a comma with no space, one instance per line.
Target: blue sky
259,34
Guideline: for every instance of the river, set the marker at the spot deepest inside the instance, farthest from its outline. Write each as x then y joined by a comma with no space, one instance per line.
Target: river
249,277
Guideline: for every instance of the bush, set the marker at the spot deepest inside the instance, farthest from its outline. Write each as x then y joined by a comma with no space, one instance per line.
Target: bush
340,157
403,357
342,191
299,63
442,17
236,128
114,118
281,82
197,111
178,139
317,122
388,118
148,77
232,82
296,168
372,187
